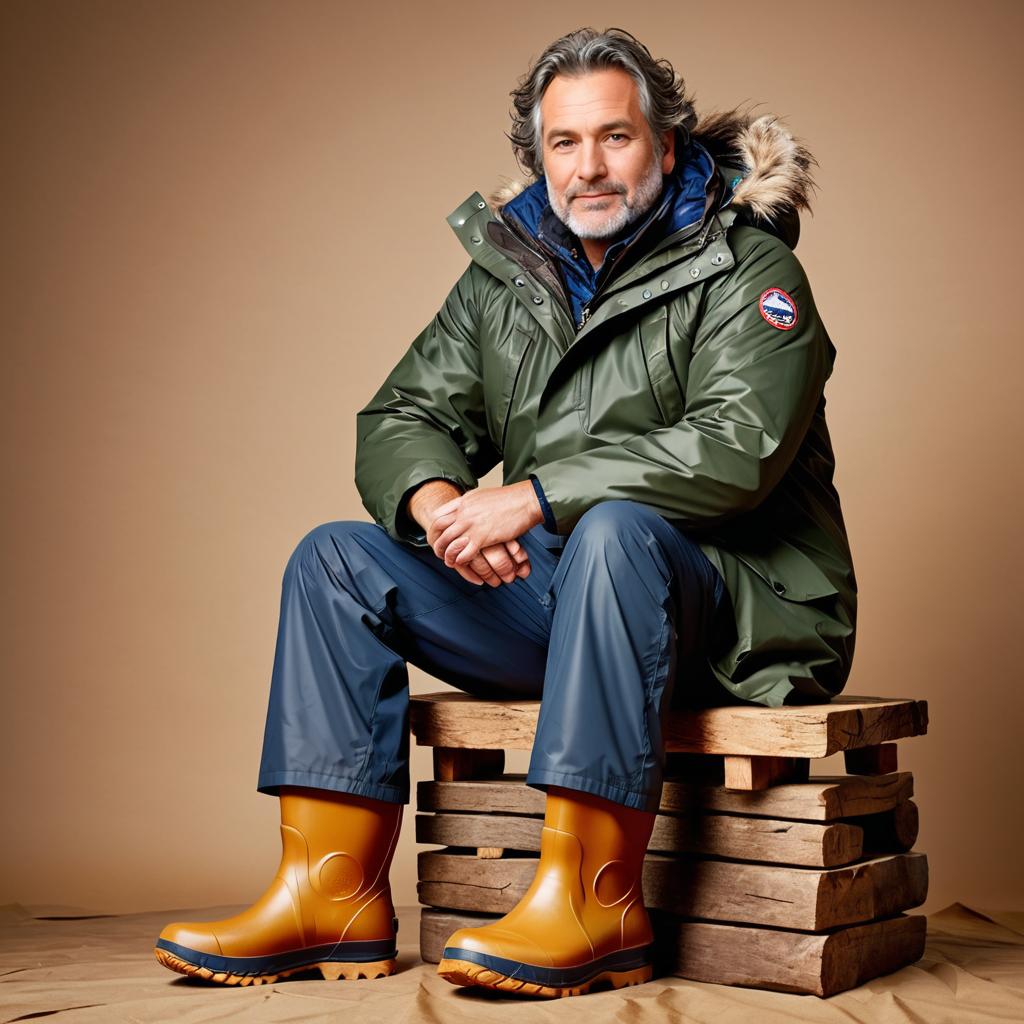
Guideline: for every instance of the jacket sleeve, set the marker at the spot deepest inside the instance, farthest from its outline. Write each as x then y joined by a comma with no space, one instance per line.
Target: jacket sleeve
427,419
751,393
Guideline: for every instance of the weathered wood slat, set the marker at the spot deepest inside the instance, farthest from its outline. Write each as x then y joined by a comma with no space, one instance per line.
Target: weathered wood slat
773,840
760,839
820,965
455,719
821,798
759,894
770,958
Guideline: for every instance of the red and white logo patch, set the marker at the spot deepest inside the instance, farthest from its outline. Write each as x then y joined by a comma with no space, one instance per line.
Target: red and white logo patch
778,308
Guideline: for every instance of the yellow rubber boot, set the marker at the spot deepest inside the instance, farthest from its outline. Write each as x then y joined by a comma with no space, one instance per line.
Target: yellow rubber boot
583,918
328,907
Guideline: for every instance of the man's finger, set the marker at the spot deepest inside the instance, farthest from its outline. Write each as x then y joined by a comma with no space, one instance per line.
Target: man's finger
485,571
468,552
497,557
467,573
461,551
520,556
522,562
447,536
454,549
518,552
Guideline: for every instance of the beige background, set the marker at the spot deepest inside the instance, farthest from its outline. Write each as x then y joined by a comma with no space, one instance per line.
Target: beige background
224,222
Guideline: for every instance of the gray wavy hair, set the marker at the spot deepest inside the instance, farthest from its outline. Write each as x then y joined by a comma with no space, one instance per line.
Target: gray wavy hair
663,98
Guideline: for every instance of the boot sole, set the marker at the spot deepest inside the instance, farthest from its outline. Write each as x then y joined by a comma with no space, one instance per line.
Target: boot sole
331,970
465,972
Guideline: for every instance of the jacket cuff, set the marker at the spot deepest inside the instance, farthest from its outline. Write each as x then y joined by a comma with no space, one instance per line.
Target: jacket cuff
403,526
549,517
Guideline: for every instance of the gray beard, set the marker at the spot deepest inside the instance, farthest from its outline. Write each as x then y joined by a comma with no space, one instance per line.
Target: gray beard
647,193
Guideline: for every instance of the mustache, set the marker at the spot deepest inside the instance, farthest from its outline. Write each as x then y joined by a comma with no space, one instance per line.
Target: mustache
606,186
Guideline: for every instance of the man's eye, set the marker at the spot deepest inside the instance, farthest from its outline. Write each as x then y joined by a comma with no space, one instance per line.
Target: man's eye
616,135
560,141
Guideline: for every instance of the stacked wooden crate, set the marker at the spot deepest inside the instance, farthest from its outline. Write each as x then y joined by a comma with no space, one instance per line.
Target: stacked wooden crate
757,873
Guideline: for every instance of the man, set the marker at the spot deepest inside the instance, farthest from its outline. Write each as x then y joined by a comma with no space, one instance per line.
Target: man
635,341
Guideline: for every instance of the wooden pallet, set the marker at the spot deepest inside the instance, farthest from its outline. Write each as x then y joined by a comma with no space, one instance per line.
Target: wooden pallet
757,873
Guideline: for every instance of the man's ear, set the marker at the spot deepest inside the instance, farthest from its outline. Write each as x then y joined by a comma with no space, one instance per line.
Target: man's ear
668,160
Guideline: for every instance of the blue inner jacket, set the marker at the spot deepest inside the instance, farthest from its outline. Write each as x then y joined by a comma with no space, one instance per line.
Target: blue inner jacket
680,204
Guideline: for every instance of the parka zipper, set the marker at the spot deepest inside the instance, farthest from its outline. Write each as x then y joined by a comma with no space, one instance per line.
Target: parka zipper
560,295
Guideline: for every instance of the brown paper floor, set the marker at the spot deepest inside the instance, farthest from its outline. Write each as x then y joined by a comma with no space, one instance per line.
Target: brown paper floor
102,969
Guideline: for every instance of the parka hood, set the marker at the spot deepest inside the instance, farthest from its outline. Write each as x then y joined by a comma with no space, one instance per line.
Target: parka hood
773,180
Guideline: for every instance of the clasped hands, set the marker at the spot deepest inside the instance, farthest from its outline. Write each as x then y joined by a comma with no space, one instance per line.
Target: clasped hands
476,532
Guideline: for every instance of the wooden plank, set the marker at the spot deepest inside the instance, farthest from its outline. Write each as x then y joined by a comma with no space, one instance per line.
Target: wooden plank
762,839
876,760
460,720
756,773
452,764
733,891
770,958
772,840
455,719
821,798
820,965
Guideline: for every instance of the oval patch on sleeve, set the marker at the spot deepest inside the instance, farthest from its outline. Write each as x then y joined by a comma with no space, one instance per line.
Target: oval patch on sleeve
778,308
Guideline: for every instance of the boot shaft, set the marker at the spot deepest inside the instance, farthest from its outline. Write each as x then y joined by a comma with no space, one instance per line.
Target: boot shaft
337,850
607,831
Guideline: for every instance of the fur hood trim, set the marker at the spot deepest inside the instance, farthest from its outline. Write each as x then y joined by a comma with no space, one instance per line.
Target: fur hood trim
777,180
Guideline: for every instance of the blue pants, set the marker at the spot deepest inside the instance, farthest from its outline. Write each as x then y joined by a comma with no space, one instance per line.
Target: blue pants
600,629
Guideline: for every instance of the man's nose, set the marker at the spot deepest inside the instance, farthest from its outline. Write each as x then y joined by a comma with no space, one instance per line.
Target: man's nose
590,166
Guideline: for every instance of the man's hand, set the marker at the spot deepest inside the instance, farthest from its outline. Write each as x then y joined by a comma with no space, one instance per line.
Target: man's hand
499,563
471,523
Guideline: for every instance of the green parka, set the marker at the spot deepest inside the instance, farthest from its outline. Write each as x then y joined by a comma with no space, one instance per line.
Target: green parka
682,391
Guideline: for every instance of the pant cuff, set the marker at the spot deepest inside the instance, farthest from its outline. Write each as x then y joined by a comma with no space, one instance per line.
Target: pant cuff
269,782
540,778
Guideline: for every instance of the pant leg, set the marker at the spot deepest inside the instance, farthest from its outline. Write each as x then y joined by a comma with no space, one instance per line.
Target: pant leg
631,596
355,606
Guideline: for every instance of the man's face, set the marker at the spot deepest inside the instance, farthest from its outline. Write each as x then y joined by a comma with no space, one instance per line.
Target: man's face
598,152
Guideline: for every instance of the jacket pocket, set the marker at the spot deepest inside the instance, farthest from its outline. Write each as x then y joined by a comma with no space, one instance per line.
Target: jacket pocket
653,331
515,356
790,573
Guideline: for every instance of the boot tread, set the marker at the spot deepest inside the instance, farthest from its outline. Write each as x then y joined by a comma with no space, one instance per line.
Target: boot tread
331,970
462,972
